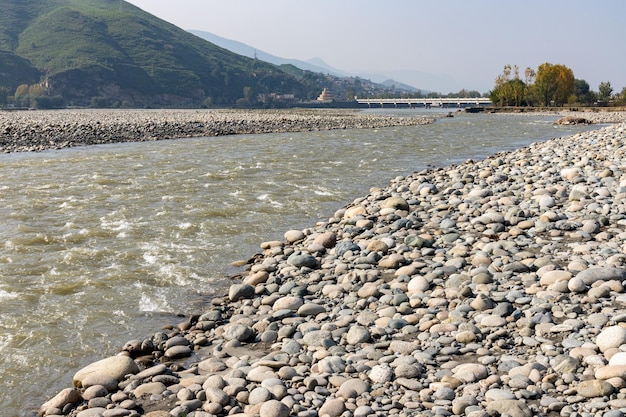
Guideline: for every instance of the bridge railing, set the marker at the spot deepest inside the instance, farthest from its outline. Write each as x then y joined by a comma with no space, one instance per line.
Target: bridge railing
437,101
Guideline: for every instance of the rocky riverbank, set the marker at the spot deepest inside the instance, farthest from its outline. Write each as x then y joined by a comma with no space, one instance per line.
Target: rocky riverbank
493,287
26,131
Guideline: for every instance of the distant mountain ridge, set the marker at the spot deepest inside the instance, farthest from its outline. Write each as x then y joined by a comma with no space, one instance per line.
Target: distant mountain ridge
314,64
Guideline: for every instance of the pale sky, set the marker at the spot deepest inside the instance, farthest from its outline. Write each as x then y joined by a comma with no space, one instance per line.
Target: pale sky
434,45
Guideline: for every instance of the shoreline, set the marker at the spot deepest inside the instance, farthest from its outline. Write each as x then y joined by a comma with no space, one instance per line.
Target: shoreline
486,287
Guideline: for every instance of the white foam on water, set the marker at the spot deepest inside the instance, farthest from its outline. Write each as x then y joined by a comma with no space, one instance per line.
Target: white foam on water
185,226
115,225
6,295
150,259
177,275
323,192
5,341
266,198
153,303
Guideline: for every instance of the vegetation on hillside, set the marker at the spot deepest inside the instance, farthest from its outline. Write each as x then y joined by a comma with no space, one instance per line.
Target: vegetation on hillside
550,85
111,53
110,50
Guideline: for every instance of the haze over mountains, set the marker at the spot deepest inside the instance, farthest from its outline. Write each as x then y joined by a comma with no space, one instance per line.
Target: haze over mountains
110,53
314,64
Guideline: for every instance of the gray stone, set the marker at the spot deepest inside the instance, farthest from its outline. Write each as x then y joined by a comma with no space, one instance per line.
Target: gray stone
591,275
332,365
310,309
274,408
216,395
94,391
346,246
357,335
512,408
303,260
332,407
177,352
237,332
92,412
240,291
259,395
352,388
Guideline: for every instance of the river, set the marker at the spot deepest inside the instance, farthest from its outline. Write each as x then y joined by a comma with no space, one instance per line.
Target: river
103,244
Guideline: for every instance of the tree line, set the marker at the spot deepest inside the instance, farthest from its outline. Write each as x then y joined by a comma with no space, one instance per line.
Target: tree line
551,85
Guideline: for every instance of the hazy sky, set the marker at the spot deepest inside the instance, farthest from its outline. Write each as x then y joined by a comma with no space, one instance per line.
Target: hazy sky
433,45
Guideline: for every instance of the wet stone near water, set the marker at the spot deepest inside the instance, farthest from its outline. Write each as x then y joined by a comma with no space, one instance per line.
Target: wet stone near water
498,295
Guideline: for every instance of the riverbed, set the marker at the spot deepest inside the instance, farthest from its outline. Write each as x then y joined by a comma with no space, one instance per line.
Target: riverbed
107,243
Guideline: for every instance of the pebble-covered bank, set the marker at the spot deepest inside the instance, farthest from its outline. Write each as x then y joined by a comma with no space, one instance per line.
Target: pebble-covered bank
25,131
493,287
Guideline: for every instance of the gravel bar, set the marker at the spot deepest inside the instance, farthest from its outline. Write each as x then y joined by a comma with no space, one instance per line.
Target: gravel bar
24,131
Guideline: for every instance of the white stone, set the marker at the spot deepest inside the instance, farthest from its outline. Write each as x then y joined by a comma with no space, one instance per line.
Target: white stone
576,285
381,374
611,337
418,284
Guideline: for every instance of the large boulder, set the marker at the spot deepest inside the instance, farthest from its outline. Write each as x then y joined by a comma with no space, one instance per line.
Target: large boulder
115,366
573,120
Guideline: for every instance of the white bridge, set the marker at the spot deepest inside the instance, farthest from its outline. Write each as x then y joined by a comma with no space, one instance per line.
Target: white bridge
426,102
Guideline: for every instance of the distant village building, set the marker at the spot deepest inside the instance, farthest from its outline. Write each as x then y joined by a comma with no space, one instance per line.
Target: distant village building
263,98
285,97
325,97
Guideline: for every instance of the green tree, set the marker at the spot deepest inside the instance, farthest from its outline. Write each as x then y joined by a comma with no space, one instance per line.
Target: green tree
98,102
554,84
21,91
604,92
45,102
622,95
36,90
509,91
582,92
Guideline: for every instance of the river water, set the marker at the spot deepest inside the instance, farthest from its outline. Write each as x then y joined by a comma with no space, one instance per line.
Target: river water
103,244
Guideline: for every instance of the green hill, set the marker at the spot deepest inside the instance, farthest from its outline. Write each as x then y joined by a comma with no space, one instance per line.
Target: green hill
15,70
109,51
